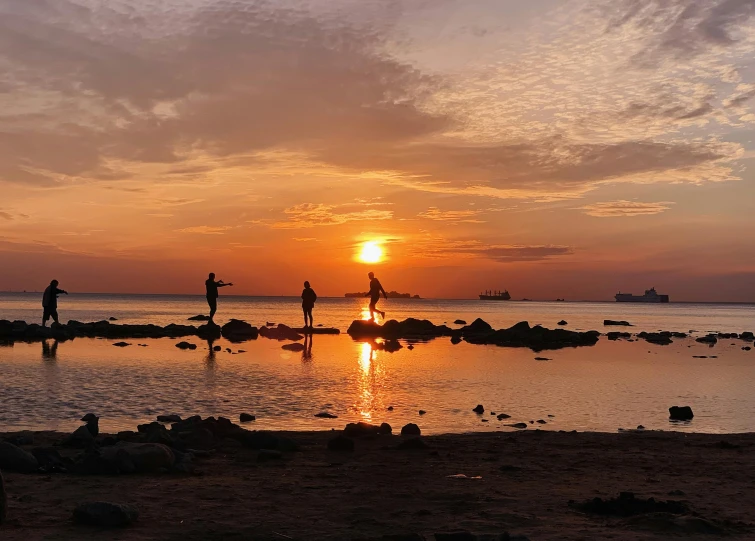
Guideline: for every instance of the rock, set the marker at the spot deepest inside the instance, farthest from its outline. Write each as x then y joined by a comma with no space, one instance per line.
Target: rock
610,322
410,347
421,412
502,416
660,338
111,318
392,329
640,427
121,344
105,514
15,459
562,322
536,338
199,317
200,438
746,348
326,415
680,413
247,418
389,408
186,345
519,425
455,340
293,347
281,332
145,457
460,322
3,500
479,410
217,348
410,430
412,444
542,359
341,443
268,454
541,421
49,459
239,331
615,335
627,505
354,430
709,339
229,350
169,418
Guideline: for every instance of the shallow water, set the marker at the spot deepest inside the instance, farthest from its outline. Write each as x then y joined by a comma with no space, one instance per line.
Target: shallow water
600,388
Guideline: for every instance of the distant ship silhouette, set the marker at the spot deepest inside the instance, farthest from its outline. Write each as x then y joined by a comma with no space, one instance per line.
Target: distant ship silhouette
649,296
495,296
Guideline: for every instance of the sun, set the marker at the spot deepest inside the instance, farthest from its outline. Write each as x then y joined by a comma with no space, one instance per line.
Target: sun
371,252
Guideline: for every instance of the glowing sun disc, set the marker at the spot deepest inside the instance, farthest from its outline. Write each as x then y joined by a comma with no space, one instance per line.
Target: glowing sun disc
371,252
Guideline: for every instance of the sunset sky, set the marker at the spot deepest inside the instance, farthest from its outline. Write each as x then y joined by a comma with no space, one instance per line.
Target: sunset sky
554,148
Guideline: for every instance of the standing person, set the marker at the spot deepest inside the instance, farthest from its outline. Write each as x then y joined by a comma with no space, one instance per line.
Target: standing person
50,302
308,298
374,294
212,293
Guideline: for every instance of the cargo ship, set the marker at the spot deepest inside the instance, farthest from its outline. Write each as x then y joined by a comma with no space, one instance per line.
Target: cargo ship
495,296
650,296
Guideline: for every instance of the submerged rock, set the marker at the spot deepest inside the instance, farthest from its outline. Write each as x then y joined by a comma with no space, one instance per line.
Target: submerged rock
536,338
199,317
121,344
615,335
326,415
281,332
293,347
186,345
659,338
612,322
479,409
709,339
105,514
680,413
247,418
460,322
563,322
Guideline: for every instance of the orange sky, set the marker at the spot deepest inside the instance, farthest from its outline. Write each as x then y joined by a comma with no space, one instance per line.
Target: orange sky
556,149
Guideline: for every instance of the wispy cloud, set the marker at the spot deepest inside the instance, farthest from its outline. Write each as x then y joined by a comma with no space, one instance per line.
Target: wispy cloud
205,230
453,216
613,209
308,215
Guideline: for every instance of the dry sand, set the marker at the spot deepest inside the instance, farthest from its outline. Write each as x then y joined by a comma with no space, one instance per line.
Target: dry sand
527,481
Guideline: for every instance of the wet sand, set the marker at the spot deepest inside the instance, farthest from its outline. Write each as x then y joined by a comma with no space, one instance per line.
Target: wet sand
527,481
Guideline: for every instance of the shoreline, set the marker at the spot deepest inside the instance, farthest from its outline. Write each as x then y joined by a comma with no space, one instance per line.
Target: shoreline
531,484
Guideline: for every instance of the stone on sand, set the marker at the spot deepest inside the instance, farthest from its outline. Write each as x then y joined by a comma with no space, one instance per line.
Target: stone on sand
105,514
15,459
410,429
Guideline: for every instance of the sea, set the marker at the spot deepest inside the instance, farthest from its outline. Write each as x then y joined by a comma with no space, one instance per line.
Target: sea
614,385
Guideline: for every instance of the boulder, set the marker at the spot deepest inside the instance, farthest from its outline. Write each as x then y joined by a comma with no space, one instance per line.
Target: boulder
145,457
479,409
121,344
326,415
169,418
747,335
563,322
3,500
247,418
49,459
199,438
199,317
354,430
239,331
460,322
478,326
709,339
680,413
217,348
615,335
105,515
209,331
15,459
410,429
456,340
392,329
612,322
502,416
658,338
519,426
536,338
296,347
186,345
281,332
341,443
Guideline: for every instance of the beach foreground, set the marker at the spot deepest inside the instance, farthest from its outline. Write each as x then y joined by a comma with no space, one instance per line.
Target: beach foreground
526,482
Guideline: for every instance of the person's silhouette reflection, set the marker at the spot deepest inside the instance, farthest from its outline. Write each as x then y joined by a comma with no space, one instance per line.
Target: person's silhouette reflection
210,359
49,352
306,355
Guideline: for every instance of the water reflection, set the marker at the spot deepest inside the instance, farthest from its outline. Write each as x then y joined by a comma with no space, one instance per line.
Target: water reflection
49,352
209,360
306,355
370,380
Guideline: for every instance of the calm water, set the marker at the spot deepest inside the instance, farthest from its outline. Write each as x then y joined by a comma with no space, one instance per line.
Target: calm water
611,385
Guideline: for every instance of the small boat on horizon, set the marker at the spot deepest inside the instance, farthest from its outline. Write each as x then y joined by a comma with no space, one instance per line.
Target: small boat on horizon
650,296
495,296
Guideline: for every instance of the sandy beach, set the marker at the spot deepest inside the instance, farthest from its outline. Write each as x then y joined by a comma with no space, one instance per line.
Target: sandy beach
520,483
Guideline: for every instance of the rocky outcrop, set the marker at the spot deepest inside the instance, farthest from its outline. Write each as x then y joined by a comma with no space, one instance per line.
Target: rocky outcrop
708,339
392,329
536,338
105,515
615,335
611,322
239,331
354,430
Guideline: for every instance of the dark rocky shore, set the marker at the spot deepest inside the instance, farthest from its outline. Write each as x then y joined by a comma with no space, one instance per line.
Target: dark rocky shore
211,479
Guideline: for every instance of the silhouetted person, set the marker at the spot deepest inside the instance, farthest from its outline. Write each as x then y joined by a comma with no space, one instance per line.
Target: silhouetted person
374,294
50,302
212,293
308,299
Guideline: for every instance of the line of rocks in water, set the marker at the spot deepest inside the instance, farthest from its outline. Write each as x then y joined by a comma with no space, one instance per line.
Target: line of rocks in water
235,331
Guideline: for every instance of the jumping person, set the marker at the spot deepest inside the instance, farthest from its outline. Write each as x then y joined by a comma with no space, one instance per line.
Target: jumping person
50,302
375,289
308,298
212,293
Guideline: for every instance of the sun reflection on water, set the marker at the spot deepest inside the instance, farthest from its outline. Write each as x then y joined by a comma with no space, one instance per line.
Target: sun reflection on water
370,381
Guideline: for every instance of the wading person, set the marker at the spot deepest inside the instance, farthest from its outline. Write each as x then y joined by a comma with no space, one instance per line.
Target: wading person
308,298
374,294
212,293
50,302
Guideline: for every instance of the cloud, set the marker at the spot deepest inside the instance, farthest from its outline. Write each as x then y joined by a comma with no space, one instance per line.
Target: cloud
454,216
6,215
205,230
308,215
442,248
612,209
